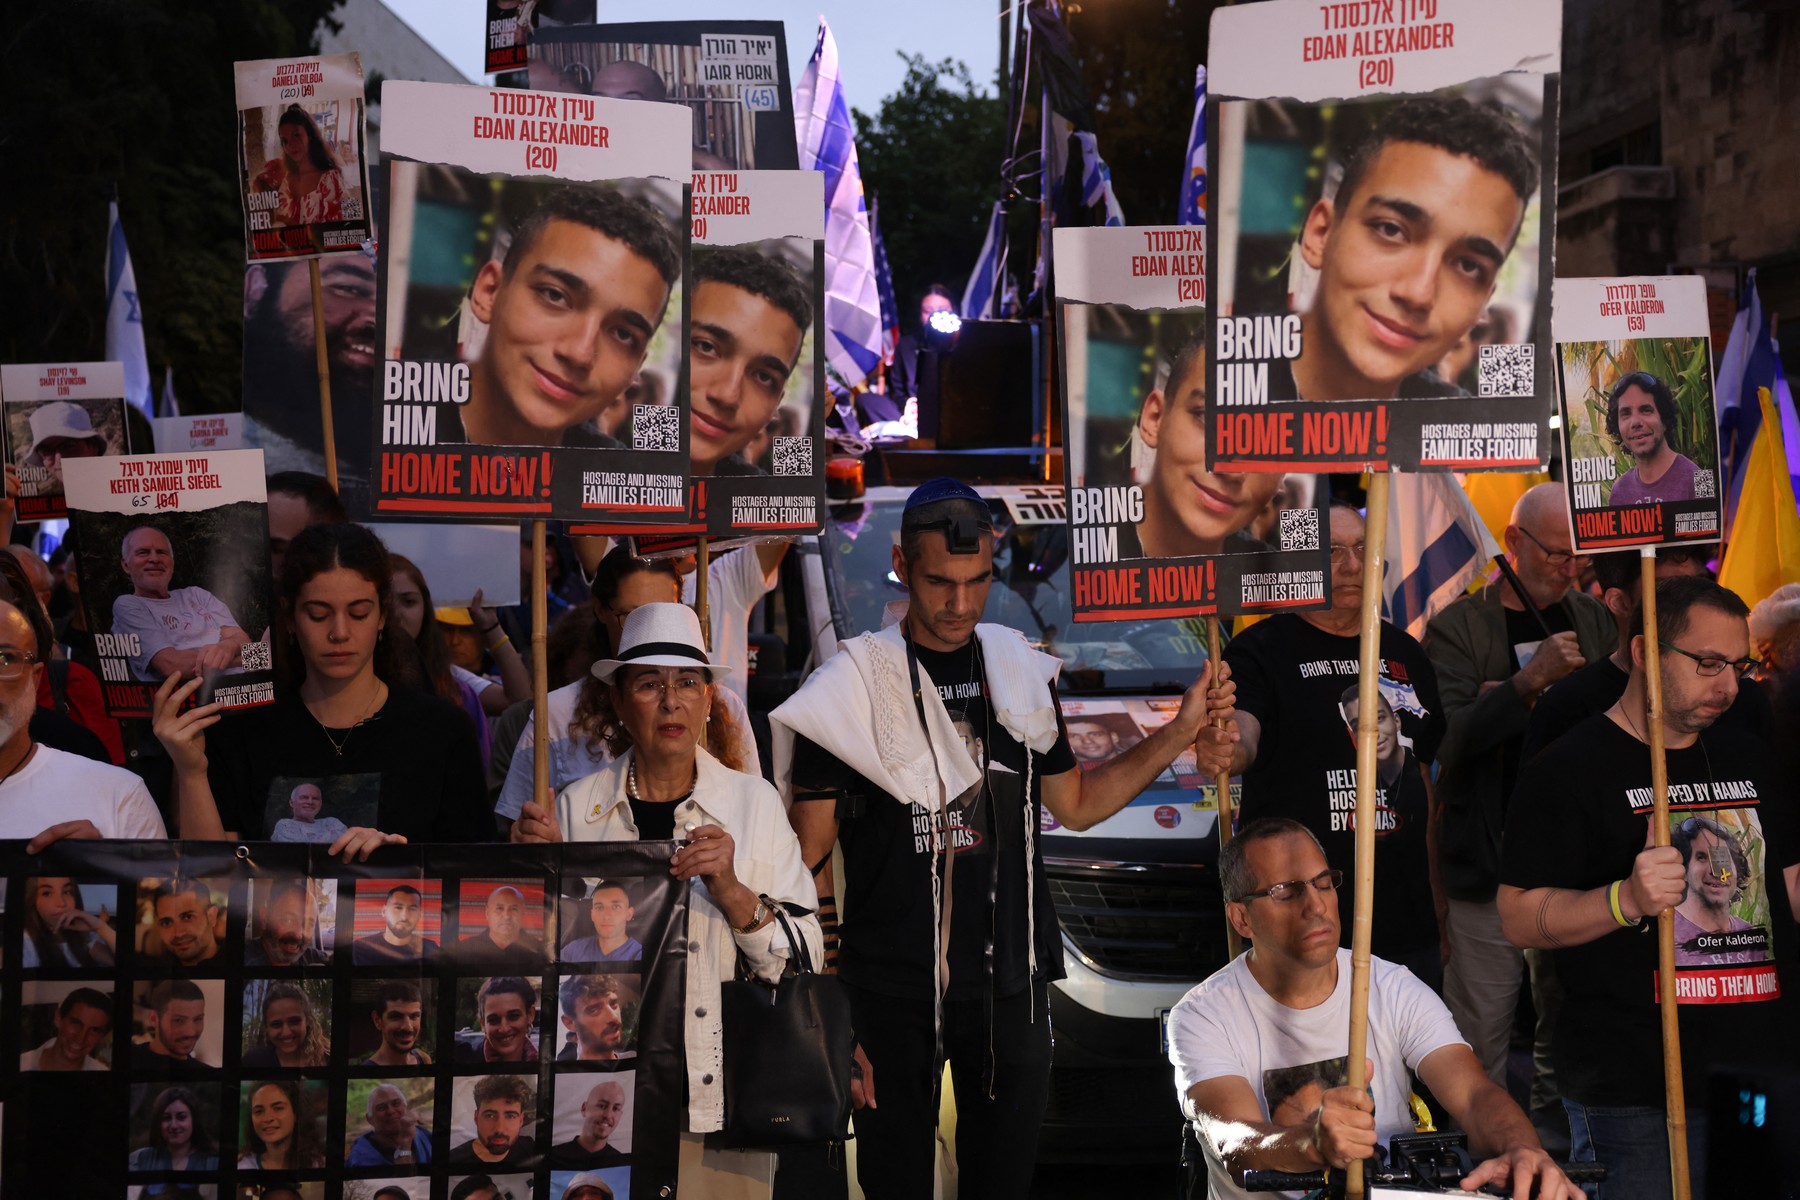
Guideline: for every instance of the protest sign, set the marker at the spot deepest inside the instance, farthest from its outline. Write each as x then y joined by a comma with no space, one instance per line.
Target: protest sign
532,307
54,412
731,75
459,560
1153,532
302,158
1639,424
173,551
756,373
412,1021
1380,249
281,382
510,24
213,431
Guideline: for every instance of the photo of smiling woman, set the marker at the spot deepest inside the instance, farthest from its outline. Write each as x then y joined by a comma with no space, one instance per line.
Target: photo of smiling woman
284,1026
283,1126
177,1131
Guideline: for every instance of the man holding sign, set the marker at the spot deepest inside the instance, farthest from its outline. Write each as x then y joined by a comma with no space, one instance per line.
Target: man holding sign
185,631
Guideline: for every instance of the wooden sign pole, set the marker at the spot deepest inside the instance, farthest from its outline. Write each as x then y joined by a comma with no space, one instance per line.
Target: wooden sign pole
322,361
702,556
540,671
1665,920
1234,945
1367,704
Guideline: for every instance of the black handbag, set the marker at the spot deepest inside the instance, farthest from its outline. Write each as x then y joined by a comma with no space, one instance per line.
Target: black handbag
787,1056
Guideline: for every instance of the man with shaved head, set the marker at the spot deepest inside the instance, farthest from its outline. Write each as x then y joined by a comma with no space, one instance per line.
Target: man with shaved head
1495,652
624,79
184,631
601,1112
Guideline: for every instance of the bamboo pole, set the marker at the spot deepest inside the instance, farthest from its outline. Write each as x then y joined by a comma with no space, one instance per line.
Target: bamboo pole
1367,704
702,556
540,672
322,362
1665,920
1234,945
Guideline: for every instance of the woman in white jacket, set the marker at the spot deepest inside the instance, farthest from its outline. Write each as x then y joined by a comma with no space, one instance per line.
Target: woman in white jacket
662,785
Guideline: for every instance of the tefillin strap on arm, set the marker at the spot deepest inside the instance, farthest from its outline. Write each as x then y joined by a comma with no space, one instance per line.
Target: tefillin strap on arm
940,908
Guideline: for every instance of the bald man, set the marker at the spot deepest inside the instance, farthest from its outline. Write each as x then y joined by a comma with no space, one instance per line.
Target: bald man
180,631
624,79
503,946
1494,653
601,1113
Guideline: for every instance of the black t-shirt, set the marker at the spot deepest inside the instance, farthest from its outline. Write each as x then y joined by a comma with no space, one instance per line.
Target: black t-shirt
887,924
1598,686
1578,821
1300,683
655,820
414,768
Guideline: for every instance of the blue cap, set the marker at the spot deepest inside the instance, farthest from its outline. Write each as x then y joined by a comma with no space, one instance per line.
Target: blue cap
942,488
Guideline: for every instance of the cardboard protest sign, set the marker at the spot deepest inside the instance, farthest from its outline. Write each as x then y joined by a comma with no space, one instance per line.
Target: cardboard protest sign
302,157
410,1022
211,431
731,75
281,381
532,307
54,412
510,24
1380,248
173,551
1640,426
755,368
1152,531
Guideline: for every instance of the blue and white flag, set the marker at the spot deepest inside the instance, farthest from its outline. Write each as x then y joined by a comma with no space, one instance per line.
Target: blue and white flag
124,321
1751,361
166,404
884,288
827,143
1096,181
983,290
1193,181
1436,545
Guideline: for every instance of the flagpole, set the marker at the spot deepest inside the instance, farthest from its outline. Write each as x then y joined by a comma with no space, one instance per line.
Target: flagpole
1234,945
1674,1100
322,363
1367,701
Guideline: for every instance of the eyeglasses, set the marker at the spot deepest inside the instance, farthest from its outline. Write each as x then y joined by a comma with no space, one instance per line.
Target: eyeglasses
1293,889
1555,558
1704,665
650,689
1341,552
14,663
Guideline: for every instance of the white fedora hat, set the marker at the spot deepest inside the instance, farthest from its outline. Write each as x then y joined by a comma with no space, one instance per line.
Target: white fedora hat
62,420
663,634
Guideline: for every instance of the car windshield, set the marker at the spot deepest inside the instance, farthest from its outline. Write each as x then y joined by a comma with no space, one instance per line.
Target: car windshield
1030,594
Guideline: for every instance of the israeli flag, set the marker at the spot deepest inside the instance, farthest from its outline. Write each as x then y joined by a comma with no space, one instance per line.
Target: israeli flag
827,143
1436,545
1193,181
983,289
124,321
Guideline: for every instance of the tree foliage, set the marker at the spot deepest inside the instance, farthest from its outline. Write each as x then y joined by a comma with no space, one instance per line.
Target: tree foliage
932,154
136,95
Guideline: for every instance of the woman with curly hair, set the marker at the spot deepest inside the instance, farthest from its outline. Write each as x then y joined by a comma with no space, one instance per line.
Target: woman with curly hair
292,1035
283,1133
179,1141
305,173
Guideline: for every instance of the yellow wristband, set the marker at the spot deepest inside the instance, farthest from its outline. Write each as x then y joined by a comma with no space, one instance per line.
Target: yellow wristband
1612,899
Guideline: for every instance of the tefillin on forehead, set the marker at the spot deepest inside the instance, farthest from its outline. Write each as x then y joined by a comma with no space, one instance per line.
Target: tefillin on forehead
962,529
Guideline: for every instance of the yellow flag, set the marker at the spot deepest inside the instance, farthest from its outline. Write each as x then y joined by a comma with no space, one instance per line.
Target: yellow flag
1763,549
1493,493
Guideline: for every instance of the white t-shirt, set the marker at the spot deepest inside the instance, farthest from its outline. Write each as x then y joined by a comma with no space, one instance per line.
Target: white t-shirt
320,830
190,618
55,787
480,683
1228,1025
734,583
28,1061
573,757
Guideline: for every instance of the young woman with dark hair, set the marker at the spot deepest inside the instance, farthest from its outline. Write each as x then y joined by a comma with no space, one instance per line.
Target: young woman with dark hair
306,173
393,763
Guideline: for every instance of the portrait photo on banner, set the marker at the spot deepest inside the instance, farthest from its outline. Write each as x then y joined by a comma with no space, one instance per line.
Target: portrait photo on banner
302,159
50,412
731,75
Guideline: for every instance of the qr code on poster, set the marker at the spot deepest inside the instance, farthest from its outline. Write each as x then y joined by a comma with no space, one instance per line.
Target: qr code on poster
1507,370
793,456
655,427
1299,529
1703,485
255,657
